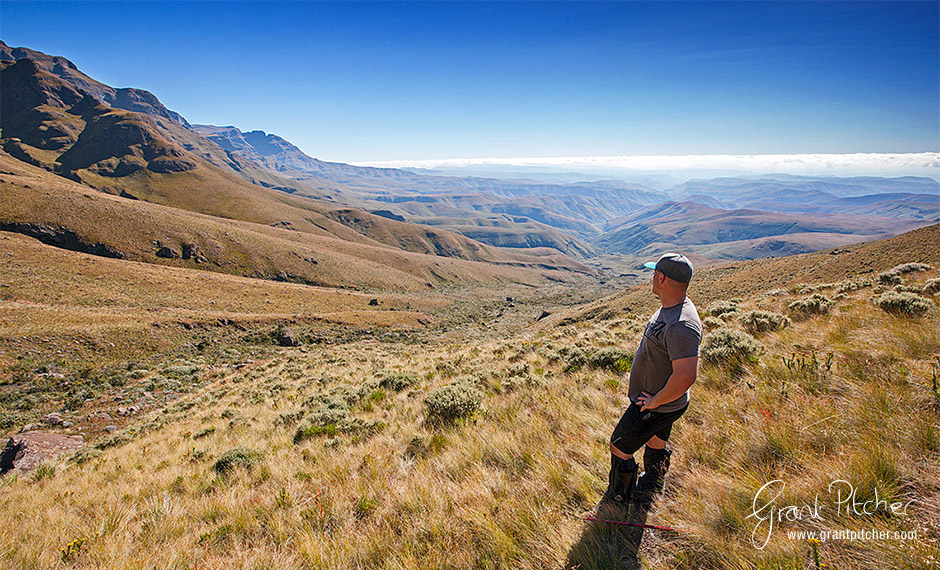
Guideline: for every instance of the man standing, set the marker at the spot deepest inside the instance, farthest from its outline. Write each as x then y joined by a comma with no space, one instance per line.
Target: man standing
664,367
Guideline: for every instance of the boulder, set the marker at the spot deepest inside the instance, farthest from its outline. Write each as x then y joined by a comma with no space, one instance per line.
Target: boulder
25,451
52,419
286,337
167,253
191,251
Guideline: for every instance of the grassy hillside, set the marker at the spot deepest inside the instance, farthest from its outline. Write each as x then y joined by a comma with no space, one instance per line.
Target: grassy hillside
326,253
50,122
741,234
341,455
764,276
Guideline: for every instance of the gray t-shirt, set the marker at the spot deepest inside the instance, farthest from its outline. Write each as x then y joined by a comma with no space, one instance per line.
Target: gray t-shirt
672,333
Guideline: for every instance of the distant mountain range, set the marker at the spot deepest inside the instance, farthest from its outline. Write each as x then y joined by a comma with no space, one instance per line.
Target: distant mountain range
740,233
124,142
173,190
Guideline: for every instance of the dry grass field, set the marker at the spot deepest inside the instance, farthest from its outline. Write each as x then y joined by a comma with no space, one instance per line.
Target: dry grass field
455,432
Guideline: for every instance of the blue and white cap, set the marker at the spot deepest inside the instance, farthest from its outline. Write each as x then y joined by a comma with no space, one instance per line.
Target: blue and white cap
674,266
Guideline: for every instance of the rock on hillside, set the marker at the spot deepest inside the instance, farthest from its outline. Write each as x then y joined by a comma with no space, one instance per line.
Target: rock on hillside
24,452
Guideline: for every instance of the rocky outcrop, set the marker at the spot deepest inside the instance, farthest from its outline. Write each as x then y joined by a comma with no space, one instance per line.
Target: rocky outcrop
61,237
192,251
25,451
167,253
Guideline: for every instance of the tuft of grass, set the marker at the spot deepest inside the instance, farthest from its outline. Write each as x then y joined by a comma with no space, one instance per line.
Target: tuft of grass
454,401
730,348
761,322
902,304
807,307
238,457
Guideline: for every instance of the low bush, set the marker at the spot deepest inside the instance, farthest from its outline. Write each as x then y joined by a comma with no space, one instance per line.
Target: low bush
235,458
760,322
902,304
711,323
614,359
204,432
182,372
730,347
849,285
931,287
719,308
805,308
329,415
893,275
398,381
453,401
573,357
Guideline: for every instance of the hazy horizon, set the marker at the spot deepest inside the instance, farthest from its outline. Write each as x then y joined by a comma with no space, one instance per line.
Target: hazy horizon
925,164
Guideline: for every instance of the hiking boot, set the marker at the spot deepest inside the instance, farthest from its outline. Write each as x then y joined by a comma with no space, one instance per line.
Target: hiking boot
650,483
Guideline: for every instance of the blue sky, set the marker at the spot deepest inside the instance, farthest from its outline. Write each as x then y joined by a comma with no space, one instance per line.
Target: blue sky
359,82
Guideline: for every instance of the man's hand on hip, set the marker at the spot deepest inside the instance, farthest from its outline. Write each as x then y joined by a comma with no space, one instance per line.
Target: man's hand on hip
647,401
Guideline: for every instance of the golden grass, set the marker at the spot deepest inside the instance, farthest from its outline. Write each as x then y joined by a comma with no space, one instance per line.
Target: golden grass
500,489
47,289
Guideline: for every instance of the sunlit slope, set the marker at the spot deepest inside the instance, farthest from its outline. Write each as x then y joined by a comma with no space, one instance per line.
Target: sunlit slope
39,203
48,290
757,276
50,123
338,456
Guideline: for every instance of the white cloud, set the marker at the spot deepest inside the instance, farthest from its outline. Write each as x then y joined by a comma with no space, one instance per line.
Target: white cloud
920,164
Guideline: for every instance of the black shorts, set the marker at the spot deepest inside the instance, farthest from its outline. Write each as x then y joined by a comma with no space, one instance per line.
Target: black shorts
632,431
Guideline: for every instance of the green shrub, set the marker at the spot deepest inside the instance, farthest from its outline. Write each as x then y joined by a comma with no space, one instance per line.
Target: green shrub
237,457
759,322
893,275
614,359
325,418
330,416
573,357
730,347
902,304
181,372
720,308
711,323
931,287
848,286
398,381
160,382
204,432
805,308
454,401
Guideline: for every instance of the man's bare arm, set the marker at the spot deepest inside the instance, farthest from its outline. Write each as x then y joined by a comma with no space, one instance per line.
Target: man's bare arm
684,372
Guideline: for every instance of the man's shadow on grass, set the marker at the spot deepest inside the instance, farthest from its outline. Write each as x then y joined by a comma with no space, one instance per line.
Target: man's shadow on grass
607,546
